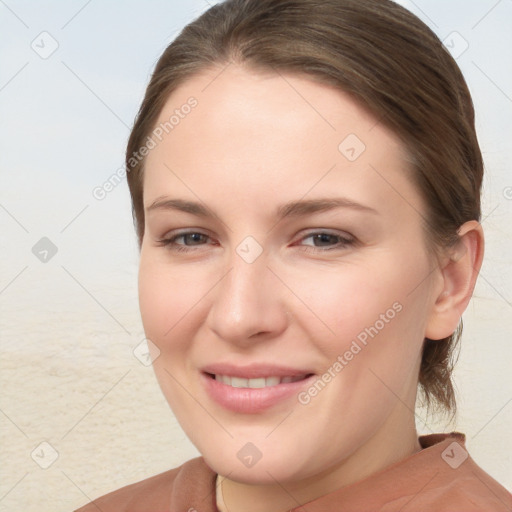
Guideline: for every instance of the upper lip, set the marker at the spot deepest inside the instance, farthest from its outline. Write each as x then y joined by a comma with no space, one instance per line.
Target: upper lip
254,371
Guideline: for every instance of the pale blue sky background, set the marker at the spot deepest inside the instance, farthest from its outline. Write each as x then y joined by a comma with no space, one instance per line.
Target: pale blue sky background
62,137
71,324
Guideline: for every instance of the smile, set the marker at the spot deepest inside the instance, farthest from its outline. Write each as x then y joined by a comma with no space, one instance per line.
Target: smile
261,382
253,390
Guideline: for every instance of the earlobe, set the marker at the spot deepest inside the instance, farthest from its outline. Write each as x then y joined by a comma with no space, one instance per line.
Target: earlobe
459,272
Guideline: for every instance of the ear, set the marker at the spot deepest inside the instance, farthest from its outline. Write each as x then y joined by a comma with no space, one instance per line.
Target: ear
459,271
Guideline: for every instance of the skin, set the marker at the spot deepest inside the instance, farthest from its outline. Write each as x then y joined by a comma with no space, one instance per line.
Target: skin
254,142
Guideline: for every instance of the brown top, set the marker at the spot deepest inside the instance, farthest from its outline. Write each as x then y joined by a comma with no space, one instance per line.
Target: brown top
442,477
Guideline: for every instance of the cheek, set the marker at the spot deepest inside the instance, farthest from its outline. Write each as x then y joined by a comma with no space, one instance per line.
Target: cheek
379,304
371,359
166,303
153,302
345,301
168,309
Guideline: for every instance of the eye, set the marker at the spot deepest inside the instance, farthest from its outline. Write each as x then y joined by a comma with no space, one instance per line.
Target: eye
316,241
327,241
182,241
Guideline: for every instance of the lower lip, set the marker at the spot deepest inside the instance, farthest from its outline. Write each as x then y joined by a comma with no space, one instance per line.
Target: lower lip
252,400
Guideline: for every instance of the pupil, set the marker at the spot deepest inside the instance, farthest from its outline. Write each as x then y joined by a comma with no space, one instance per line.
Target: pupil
195,237
324,238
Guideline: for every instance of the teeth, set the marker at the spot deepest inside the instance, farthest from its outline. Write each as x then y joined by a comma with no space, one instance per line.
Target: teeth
237,382
272,381
261,382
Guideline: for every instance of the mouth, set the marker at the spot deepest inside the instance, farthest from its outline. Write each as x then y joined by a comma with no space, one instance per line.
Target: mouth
253,389
257,383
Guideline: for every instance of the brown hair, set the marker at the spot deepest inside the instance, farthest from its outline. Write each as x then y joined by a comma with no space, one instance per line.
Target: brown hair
390,62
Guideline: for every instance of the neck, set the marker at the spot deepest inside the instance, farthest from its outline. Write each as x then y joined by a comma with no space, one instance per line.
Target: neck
391,444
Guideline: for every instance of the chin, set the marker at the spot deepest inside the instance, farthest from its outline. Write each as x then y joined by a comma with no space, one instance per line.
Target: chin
261,473
257,463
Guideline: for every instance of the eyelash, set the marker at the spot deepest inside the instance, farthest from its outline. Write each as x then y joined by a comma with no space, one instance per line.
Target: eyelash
170,243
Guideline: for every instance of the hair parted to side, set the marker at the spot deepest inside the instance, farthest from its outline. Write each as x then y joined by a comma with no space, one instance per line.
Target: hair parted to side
391,63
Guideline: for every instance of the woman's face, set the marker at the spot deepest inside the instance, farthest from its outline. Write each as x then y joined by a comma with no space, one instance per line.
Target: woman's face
284,278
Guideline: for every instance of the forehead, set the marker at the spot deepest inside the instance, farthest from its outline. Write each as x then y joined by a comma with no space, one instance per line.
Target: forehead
250,98
268,131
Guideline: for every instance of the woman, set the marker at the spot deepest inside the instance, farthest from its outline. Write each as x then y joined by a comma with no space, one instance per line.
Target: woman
305,179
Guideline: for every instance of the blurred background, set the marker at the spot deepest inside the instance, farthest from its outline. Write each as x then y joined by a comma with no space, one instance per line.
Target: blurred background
80,410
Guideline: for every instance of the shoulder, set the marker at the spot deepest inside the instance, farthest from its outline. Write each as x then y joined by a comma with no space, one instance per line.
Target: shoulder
441,477
460,484
473,490
154,493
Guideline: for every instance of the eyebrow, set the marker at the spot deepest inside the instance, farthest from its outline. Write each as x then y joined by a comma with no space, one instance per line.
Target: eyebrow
290,209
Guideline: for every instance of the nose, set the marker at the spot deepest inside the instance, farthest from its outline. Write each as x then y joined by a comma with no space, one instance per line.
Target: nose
248,304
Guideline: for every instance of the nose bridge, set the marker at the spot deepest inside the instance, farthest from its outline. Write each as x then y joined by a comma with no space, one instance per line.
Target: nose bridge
247,300
243,293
